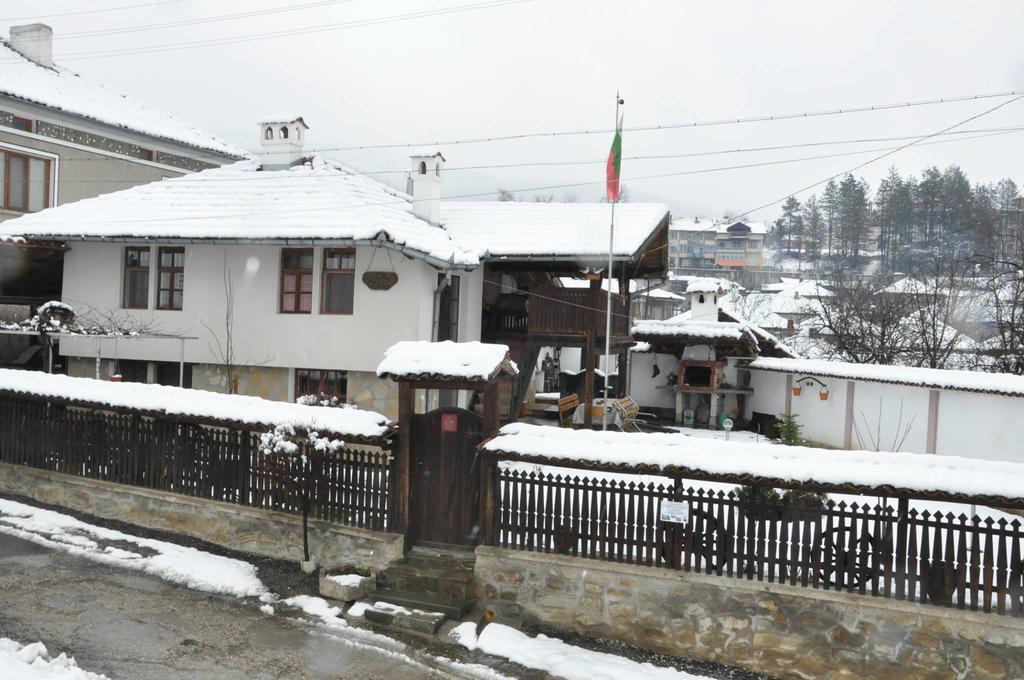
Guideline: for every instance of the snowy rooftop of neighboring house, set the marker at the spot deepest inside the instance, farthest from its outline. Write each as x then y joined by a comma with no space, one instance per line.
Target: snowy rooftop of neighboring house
676,453
346,422
64,90
323,200
473,361
969,381
720,226
809,288
511,229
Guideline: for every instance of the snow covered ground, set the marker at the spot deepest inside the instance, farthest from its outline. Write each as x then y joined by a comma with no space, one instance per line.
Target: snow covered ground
34,662
179,564
560,658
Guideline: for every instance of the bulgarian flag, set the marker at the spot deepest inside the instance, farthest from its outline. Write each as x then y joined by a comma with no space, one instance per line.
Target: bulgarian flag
614,166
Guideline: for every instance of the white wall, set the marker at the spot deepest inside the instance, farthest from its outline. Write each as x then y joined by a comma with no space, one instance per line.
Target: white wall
643,388
93,279
968,424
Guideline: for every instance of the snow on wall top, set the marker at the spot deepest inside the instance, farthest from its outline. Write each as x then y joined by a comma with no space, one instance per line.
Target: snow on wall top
511,228
476,361
350,423
315,200
711,330
61,89
927,474
969,381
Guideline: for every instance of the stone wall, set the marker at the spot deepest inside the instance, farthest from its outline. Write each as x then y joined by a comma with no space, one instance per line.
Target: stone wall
371,393
263,532
269,382
785,631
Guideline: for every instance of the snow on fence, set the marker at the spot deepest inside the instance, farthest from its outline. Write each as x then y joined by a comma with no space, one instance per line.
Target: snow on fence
880,545
211,459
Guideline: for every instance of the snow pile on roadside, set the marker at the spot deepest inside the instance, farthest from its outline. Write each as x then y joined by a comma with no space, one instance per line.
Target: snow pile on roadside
33,662
347,422
559,658
179,564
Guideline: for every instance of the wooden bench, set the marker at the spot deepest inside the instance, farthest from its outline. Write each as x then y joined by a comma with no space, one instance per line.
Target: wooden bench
567,406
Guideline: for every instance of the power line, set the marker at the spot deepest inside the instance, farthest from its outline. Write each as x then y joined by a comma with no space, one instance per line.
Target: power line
400,201
98,10
168,47
270,177
897,149
200,20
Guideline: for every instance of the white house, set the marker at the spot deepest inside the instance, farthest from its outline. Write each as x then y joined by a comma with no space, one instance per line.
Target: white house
294,273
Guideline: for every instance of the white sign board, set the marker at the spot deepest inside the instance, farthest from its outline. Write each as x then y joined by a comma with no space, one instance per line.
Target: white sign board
675,511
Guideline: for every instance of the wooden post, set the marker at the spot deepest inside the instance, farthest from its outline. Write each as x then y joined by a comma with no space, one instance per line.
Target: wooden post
931,445
403,465
488,498
848,425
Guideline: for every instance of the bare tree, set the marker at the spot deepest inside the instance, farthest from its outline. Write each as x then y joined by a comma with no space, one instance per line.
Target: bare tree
223,348
941,306
863,324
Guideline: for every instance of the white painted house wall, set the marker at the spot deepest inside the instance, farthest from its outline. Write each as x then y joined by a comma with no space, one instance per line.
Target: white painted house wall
93,279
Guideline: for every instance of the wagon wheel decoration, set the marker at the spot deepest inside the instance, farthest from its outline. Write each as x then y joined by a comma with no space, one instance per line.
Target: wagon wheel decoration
706,538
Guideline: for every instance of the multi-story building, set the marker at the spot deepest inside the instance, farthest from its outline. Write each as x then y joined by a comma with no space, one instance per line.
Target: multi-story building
715,244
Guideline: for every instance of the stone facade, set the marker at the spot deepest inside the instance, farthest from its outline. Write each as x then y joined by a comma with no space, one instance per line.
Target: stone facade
371,393
268,382
252,530
785,631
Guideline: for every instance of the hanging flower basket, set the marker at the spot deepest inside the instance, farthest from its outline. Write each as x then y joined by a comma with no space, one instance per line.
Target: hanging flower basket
823,395
797,390
380,280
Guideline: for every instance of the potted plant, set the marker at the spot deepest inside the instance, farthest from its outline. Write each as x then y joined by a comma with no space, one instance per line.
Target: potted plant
823,394
797,390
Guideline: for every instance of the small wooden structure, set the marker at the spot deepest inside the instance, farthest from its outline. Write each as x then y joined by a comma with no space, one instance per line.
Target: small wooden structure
439,490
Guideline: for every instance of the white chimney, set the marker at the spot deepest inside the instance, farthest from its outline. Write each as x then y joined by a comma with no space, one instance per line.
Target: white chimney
282,139
35,42
425,185
704,298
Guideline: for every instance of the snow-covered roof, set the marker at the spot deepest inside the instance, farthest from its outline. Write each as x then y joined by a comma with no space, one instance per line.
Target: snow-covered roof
511,229
809,288
688,328
717,226
315,200
348,422
61,89
419,359
264,120
704,284
937,378
783,465
636,286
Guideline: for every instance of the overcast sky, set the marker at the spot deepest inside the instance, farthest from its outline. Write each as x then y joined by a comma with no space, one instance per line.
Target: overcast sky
547,65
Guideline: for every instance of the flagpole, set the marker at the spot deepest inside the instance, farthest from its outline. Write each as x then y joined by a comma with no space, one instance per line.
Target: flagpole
608,310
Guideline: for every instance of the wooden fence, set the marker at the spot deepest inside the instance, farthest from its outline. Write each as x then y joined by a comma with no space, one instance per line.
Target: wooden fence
884,547
193,459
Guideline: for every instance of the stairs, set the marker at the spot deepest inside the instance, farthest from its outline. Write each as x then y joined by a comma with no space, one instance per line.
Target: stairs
429,579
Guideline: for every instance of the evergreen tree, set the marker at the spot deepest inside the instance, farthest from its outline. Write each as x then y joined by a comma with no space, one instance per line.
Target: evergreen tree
830,207
813,227
793,222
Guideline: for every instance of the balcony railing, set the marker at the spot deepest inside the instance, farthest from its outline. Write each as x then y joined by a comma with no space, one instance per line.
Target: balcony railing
558,311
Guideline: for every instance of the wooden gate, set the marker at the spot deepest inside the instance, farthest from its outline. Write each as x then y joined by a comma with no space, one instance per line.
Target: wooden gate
445,506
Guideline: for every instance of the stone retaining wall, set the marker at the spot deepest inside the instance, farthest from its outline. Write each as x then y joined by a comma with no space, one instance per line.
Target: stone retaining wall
785,631
273,534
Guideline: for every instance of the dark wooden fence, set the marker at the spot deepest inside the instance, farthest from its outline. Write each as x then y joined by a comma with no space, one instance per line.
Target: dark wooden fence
877,546
193,459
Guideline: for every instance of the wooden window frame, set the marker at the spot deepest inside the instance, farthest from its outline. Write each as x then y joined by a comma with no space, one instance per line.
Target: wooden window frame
126,268
342,376
170,271
449,312
5,191
26,124
325,273
297,293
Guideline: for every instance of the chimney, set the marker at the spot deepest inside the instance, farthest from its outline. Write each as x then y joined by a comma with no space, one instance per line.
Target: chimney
424,185
282,139
35,42
704,298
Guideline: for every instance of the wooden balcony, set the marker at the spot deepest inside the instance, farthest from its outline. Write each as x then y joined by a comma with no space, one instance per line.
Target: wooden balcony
559,315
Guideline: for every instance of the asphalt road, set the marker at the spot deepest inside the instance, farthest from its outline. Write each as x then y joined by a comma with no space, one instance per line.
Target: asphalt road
129,625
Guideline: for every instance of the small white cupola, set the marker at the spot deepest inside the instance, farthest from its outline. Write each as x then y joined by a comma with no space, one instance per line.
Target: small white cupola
35,42
282,139
704,294
424,185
